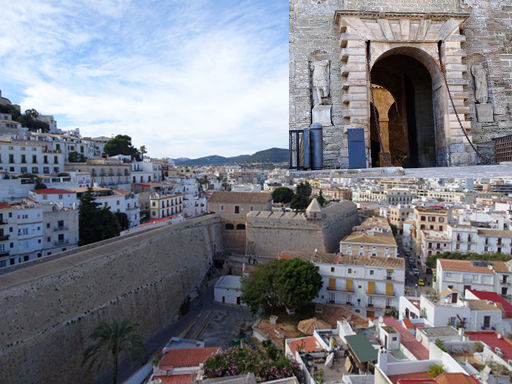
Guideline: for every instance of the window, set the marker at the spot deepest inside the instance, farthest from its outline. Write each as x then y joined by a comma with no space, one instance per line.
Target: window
349,271
229,227
34,159
45,159
11,158
23,159
332,269
55,160
221,207
240,227
237,209
371,272
251,208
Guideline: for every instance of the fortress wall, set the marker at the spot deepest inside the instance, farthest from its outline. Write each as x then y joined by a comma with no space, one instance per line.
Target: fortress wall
267,238
48,310
338,223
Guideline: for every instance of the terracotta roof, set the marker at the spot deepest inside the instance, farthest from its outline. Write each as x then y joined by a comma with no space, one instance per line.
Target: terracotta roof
412,378
153,221
495,298
305,344
462,266
482,305
186,357
4,205
175,379
455,378
491,339
319,257
50,191
378,238
408,340
386,262
240,197
494,232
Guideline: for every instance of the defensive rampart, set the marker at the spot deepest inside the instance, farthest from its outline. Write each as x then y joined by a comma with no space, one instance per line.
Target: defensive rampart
48,310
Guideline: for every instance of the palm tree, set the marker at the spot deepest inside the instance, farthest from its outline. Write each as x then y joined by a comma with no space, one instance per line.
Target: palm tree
110,341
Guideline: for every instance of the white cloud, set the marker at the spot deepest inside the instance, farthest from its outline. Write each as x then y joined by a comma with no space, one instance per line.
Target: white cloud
186,80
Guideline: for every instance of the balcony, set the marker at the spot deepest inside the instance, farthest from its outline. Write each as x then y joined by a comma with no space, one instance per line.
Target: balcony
61,228
61,242
4,237
3,222
4,253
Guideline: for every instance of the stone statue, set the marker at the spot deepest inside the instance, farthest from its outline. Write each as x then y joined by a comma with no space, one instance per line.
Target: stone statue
320,78
480,76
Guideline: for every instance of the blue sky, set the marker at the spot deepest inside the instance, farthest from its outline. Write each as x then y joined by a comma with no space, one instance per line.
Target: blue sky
184,77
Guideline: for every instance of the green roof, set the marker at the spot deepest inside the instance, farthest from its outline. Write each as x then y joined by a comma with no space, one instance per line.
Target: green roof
364,351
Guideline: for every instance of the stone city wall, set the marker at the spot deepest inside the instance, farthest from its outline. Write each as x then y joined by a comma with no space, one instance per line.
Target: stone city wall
268,235
48,310
485,40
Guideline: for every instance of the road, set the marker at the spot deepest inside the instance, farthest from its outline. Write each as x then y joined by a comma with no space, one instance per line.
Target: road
411,280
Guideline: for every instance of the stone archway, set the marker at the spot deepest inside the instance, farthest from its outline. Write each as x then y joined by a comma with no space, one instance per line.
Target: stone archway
419,40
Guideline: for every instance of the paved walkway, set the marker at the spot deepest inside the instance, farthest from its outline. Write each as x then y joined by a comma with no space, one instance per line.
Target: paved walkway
474,171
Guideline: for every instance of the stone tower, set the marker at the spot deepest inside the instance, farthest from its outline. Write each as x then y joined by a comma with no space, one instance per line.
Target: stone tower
380,66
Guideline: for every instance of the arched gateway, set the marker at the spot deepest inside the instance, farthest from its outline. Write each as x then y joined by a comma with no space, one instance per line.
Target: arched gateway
379,67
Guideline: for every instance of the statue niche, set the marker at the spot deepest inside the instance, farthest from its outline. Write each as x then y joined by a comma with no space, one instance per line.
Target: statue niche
484,109
319,67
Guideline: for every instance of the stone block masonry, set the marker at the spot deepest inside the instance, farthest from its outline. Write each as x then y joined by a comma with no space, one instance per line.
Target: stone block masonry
473,34
48,310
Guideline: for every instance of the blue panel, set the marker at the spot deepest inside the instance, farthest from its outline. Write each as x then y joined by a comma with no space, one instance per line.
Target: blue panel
356,148
307,149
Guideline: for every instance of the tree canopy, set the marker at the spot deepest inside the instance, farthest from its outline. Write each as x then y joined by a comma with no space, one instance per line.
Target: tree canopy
95,223
432,260
121,145
322,200
293,283
30,120
302,197
282,195
122,219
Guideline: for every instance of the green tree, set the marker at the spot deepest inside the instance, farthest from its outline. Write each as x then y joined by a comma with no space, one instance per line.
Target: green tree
322,200
110,342
432,260
293,283
302,197
95,223
258,289
394,229
122,219
30,120
121,145
282,195
298,282
75,157
143,150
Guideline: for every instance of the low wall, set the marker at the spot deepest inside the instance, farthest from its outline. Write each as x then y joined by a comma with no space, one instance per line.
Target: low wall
48,310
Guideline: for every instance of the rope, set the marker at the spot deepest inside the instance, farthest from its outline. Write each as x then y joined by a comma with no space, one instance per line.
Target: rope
377,125
442,68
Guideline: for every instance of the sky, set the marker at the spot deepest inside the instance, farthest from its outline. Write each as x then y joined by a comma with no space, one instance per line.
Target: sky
186,78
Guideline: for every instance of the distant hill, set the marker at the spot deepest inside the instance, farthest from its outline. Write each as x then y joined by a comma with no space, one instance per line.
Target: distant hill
272,155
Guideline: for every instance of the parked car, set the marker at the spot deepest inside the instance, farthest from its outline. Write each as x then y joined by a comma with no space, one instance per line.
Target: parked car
421,282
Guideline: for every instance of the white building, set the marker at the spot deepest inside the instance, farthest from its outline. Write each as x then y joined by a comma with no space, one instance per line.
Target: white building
22,228
228,290
492,276
25,156
60,228
64,197
367,285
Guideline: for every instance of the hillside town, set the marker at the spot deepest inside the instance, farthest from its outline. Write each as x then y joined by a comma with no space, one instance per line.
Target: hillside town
415,272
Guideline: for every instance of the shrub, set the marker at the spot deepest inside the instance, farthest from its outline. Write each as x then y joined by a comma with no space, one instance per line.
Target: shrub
435,370
237,361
